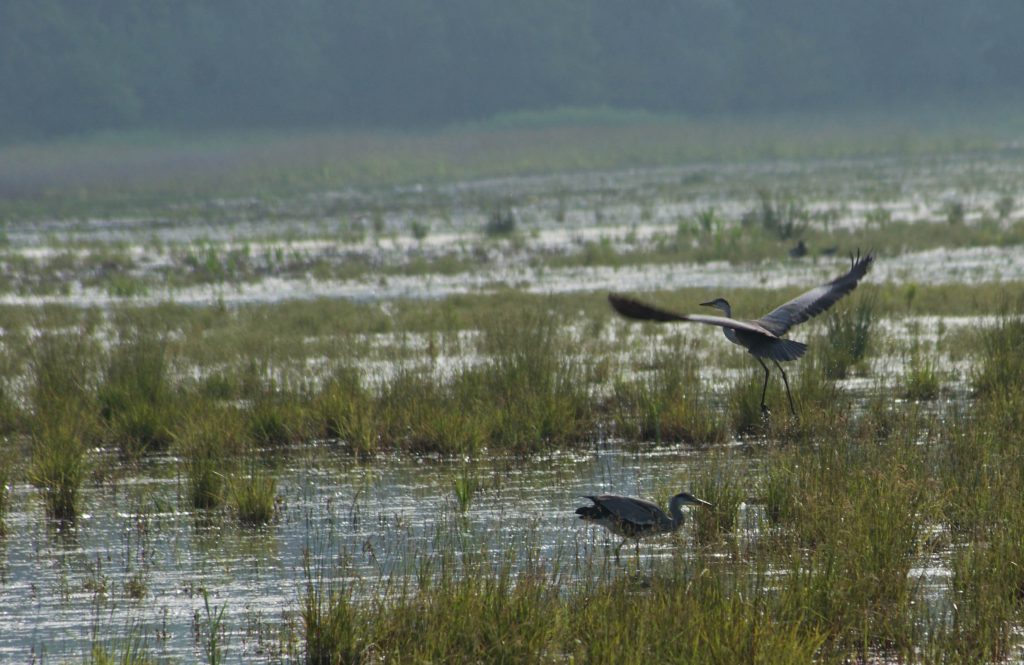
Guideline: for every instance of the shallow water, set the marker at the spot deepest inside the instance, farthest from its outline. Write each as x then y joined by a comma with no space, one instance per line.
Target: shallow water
557,215
60,588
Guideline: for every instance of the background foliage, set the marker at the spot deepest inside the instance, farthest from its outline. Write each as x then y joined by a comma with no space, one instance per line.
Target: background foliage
69,66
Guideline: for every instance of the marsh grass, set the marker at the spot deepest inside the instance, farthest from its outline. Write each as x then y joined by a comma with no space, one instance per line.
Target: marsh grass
278,419
5,497
744,400
849,329
465,486
721,485
420,414
210,445
534,383
59,465
253,497
783,216
63,423
131,649
668,403
858,511
859,495
921,379
136,400
520,608
1001,364
345,410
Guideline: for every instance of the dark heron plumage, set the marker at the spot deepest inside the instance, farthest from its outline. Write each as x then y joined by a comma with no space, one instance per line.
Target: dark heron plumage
761,337
634,518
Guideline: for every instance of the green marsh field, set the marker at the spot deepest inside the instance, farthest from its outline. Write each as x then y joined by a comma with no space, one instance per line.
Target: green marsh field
333,398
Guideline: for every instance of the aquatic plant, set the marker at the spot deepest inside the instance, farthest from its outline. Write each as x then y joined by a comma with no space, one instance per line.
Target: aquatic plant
5,474
465,486
849,328
211,630
252,497
512,610
669,403
344,410
209,443
1000,367
136,400
720,485
782,216
501,221
58,465
921,376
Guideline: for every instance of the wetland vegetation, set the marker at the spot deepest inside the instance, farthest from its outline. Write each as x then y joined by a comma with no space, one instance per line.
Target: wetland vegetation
353,426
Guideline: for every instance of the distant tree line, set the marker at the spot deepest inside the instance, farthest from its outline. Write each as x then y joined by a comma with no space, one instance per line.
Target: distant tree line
73,65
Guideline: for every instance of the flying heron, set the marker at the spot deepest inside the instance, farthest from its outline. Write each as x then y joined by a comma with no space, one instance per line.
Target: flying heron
635,518
761,337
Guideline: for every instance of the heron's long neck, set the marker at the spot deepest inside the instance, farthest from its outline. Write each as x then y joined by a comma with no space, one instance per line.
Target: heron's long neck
675,507
725,307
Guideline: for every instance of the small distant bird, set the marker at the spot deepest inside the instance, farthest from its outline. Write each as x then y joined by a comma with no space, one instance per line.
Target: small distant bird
761,337
798,250
635,518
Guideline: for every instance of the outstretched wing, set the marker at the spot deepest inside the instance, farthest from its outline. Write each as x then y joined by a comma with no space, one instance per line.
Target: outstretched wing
634,309
628,509
817,300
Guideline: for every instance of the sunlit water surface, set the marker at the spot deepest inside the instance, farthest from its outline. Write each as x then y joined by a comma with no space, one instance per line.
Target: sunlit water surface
138,564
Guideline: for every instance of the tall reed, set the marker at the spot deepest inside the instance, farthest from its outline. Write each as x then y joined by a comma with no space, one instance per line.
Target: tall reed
136,400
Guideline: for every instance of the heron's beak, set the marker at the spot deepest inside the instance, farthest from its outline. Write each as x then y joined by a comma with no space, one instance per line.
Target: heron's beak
701,502
710,303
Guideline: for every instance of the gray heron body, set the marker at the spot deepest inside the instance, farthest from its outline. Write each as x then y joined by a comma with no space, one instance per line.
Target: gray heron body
762,337
633,518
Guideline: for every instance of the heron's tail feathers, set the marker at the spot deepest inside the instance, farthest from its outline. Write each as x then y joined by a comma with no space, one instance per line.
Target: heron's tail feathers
786,349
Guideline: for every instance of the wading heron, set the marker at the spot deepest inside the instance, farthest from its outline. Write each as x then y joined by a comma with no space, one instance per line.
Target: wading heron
762,337
635,518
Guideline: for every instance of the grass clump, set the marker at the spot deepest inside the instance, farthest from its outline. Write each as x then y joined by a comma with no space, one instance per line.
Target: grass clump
668,403
211,438
5,472
921,378
345,410
719,485
253,498
782,217
128,650
501,222
277,419
533,384
63,421
849,331
511,609
135,397
59,466
421,414
1000,367
465,486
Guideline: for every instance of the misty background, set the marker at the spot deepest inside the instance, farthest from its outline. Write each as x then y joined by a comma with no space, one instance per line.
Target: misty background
68,66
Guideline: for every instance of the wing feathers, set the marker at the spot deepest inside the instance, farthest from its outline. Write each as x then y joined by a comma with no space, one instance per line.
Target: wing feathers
635,511
817,300
634,309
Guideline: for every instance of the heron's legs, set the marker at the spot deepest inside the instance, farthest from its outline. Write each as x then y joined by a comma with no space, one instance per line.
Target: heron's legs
786,382
764,409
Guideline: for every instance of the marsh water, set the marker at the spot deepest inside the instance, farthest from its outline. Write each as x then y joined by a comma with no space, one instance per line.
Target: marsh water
135,565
